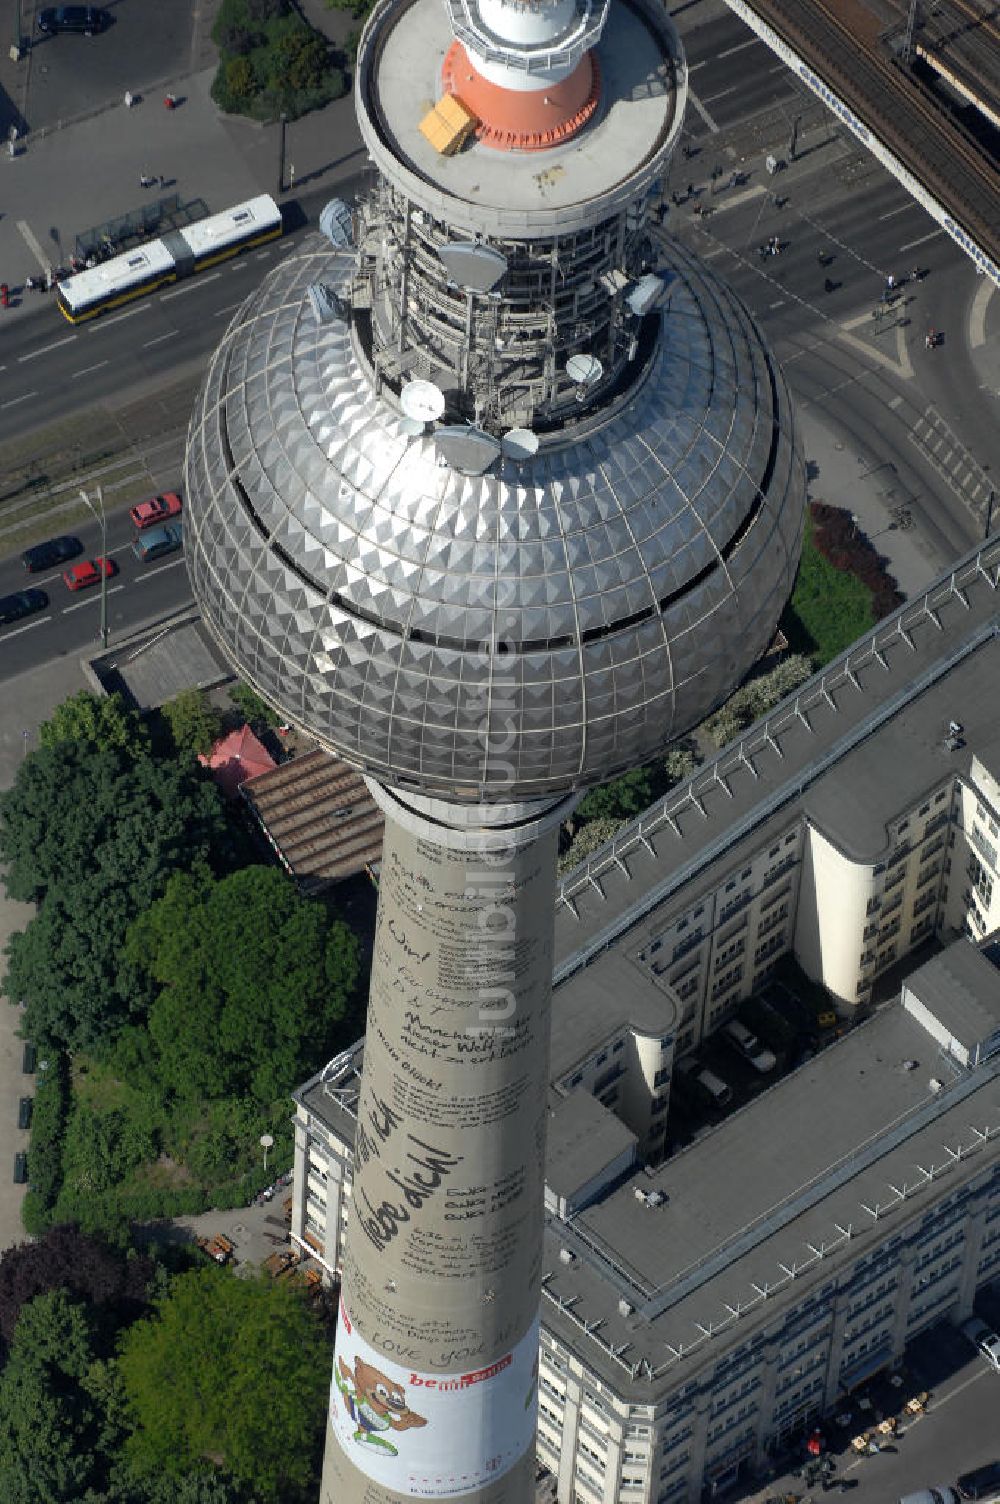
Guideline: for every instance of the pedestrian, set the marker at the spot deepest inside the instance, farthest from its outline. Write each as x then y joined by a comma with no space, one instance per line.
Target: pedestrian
49,279
4,295
915,274
145,181
931,339
162,180
890,282
128,99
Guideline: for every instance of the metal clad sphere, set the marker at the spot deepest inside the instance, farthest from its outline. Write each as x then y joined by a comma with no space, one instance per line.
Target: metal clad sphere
504,636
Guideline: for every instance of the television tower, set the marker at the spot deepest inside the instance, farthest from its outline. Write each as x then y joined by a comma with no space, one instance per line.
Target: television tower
494,491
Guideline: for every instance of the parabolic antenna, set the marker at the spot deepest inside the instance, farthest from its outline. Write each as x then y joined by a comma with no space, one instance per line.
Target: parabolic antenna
519,443
422,400
584,369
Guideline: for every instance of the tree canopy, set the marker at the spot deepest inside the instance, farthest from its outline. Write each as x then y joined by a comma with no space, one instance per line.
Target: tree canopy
252,978
85,1267
231,1369
194,722
92,836
49,1422
86,719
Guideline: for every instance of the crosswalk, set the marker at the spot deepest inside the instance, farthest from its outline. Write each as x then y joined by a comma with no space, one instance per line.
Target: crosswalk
941,447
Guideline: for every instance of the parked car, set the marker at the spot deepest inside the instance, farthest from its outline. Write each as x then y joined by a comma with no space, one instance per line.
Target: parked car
20,1168
981,1482
28,1057
47,555
159,540
983,1337
88,572
24,1112
157,509
749,1046
87,19
21,603
720,1091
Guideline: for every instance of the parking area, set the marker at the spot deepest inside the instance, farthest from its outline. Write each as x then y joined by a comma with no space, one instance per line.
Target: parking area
71,75
790,1019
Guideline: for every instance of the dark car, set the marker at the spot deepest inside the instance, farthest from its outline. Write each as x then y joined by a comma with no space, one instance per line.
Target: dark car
46,555
28,1058
24,1112
21,603
981,1482
85,18
20,1168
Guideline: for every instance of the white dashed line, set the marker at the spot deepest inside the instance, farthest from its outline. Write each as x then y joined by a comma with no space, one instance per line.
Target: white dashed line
901,210
26,628
171,334
92,600
15,400
910,244
178,292
87,369
172,565
129,313
56,345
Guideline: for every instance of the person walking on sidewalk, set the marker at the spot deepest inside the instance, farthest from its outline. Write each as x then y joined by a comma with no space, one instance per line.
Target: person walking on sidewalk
128,99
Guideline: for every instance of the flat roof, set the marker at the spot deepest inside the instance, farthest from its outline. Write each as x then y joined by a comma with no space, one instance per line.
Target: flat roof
638,106
961,988
748,1224
859,743
583,1138
612,995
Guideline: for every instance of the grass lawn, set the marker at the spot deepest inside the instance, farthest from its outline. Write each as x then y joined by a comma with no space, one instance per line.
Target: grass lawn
828,610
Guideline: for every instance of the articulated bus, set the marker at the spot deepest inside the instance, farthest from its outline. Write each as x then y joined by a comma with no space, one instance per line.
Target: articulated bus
177,254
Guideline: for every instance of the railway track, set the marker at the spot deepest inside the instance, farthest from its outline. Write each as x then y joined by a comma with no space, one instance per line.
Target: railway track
842,41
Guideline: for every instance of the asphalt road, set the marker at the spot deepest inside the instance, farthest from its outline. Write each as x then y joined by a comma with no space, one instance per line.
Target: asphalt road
70,626
50,368
146,40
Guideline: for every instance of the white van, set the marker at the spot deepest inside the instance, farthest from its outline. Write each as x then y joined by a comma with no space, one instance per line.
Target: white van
749,1046
718,1090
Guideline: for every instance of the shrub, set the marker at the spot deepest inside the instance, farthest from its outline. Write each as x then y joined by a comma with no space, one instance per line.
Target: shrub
48,1128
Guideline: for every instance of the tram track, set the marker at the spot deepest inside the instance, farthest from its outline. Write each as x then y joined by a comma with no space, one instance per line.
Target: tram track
843,42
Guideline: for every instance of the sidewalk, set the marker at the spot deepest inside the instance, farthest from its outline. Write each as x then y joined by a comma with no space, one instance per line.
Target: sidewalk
69,180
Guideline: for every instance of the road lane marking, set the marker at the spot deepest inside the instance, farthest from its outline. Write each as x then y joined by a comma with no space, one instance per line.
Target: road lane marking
692,96
722,95
15,400
87,369
910,244
33,246
129,313
779,304
740,47
171,334
178,292
172,565
26,628
901,210
228,309
977,313
56,345
90,600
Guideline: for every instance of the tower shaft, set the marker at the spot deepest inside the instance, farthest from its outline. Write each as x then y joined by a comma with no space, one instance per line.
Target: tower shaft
435,1368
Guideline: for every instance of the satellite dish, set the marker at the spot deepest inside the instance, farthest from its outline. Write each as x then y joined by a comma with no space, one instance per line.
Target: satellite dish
584,369
519,443
337,222
422,400
411,427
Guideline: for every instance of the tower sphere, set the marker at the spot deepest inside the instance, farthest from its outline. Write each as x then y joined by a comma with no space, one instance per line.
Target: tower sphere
437,606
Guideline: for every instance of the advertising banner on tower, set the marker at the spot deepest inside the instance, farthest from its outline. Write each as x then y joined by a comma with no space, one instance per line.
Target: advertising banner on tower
435,1435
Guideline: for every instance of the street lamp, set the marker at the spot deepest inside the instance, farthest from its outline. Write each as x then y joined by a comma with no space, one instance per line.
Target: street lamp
100,517
266,1140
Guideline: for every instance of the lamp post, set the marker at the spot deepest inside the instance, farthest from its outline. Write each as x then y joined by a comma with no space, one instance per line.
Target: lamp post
102,519
266,1141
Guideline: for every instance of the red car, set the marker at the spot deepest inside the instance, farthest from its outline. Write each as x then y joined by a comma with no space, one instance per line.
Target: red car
89,572
157,509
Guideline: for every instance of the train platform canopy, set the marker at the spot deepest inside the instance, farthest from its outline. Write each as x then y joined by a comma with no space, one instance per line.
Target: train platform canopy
319,817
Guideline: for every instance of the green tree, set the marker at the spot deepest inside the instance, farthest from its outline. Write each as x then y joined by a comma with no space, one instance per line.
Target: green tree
50,1424
194,722
93,720
620,799
93,836
298,62
234,1370
586,841
756,697
256,712
253,980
